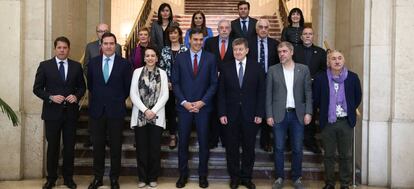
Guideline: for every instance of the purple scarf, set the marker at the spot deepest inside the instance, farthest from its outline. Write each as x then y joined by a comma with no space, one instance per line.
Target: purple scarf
336,98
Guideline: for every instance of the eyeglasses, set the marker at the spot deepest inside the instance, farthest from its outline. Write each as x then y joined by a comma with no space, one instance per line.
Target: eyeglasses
101,31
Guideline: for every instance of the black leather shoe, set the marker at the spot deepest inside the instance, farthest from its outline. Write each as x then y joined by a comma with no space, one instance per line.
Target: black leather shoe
48,185
248,184
344,187
234,183
95,184
202,182
70,184
328,186
181,182
114,184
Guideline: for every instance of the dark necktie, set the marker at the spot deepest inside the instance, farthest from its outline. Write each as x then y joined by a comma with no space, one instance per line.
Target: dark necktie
62,70
244,28
262,55
241,74
195,65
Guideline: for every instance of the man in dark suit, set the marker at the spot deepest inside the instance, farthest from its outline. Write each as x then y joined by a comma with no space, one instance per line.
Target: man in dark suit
59,83
241,109
315,58
263,50
288,107
92,50
109,80
222,48
194,80
244,25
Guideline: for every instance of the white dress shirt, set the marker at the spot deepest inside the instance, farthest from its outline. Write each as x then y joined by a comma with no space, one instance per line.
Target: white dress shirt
289,75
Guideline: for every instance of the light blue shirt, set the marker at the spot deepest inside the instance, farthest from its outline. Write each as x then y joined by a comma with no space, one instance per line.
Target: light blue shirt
110,63
265,51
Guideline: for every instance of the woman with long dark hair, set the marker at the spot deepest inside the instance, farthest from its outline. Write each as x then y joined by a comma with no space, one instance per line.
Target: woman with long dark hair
198,21
159,27
293,32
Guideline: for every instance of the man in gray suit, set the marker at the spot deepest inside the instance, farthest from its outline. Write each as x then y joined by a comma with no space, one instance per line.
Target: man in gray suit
288,107
93,49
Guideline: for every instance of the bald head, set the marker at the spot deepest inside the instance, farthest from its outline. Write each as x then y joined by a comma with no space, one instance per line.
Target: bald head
101,29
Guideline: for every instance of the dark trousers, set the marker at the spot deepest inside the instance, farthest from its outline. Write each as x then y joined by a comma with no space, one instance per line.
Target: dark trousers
185,120
54,129
215,134
148,152
265,131
103,128
338,136
239,132
171,114
310,131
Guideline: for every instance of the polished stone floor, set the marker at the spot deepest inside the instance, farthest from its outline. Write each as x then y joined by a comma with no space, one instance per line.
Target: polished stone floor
164,183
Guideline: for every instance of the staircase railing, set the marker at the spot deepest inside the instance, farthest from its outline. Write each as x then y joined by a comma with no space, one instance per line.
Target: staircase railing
284,12
141,21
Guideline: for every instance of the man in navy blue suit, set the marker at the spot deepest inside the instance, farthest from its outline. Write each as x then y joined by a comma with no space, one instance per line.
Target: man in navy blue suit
109,80
241,109
194,79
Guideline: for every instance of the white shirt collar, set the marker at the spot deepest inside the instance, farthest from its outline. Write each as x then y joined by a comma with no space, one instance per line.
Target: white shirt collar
111,57
242,61
65,61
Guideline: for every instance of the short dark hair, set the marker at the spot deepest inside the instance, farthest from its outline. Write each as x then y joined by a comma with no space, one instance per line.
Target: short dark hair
301,21
243,3
62,39
108,34
152,48
195,31
240,41
162,6
176,27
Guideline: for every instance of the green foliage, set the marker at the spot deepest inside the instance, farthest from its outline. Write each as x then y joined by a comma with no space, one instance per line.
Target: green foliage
5,108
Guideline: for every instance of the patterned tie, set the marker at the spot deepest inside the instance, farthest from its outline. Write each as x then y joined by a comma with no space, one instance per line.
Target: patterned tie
62,71
262,55
241,74
195,65
106,70
244,28
223,49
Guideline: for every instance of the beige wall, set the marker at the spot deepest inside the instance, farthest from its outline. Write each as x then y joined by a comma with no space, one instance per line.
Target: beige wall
264,7
123,16
11,159
68,19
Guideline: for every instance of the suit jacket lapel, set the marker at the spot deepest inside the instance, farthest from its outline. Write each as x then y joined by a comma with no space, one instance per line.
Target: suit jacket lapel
70,70
115,67
296,73
100,71
189,63
246,73
201,63
281,75
234,73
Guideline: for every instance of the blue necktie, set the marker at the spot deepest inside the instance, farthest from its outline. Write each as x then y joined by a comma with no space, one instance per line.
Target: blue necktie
262,55
106,70
241,74
62,71
244,28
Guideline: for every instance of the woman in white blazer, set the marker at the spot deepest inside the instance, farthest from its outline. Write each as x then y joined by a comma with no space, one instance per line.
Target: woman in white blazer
149,94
